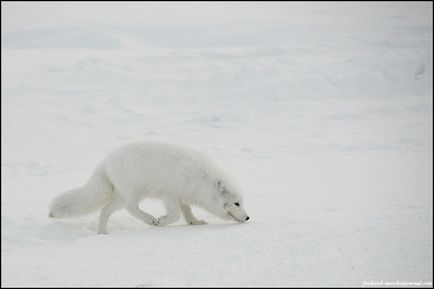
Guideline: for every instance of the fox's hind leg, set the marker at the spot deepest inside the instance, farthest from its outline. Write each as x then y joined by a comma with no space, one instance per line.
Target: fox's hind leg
188,215
173,213
116,204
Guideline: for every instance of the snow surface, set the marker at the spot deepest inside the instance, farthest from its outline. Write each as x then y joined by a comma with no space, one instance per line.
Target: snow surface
321,111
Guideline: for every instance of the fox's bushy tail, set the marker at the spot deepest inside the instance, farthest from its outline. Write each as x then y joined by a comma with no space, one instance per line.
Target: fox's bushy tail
96,193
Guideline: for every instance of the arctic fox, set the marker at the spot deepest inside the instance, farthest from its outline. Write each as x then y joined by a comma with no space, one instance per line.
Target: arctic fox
179,176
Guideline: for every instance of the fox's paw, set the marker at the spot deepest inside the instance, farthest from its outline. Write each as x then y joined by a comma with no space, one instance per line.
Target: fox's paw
197,222
160,222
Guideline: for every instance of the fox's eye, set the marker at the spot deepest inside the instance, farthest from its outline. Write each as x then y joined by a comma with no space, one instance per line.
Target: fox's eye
237,204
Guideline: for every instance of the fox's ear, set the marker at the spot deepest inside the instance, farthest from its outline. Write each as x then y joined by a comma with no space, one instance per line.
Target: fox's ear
220,183
220,186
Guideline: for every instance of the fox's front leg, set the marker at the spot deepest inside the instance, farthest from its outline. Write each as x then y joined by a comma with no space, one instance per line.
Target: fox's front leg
173,213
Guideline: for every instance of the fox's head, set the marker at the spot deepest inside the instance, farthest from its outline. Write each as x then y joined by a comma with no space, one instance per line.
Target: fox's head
230,204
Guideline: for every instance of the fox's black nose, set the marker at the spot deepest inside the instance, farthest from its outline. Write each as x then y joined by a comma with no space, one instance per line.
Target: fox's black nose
247,218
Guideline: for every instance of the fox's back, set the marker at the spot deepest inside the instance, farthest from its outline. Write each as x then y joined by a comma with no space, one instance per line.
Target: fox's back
154,168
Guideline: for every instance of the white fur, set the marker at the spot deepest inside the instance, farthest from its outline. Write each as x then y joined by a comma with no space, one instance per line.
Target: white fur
180,177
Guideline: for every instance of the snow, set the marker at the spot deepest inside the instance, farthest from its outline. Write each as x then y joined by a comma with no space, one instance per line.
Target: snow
321,111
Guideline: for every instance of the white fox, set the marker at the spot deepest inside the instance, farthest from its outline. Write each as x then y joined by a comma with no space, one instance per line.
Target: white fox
180,177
